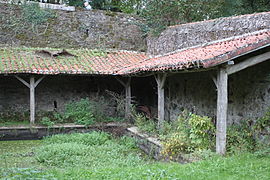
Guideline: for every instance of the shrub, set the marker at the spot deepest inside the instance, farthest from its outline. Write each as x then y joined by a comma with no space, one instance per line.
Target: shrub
240,138
248,136
201,131
46,121
93,138
175,143
188,133
80,112
145,124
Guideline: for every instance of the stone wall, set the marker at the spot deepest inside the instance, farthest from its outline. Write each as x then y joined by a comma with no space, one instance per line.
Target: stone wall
249,93
61,90
91,29
187,35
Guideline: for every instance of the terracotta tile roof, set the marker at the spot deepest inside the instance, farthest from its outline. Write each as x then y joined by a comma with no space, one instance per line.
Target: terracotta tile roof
203,56
84,61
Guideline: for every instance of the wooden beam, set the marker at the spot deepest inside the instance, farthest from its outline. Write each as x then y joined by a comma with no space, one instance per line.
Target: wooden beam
214,80
160,79
222,106
128,99
127,96
23,81
248,62
39,80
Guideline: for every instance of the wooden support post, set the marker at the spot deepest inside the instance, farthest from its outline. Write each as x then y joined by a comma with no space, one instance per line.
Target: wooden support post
160,79
128,100
32,85
128,97
222,106
32,100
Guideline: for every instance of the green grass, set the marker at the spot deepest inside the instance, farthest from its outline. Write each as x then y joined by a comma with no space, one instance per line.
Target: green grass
99,156
14,123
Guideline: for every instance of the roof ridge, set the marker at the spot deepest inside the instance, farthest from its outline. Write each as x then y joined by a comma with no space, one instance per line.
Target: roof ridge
51,48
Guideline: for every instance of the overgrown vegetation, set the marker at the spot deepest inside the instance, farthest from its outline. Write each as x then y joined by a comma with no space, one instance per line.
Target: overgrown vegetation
31,18
159,14
98,156
191,133
83,112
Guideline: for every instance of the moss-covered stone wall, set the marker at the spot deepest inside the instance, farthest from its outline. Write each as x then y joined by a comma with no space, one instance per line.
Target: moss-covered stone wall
82,28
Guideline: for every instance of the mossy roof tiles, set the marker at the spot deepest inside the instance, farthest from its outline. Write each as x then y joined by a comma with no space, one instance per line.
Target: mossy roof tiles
84,61
202,56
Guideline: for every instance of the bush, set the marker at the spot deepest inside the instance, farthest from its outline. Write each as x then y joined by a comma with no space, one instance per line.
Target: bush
189,133
240,138
46,121
80,112
175,144
93,138
145,124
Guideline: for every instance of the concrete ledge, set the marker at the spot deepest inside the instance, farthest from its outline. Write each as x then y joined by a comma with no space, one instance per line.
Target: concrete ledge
150,145
38,132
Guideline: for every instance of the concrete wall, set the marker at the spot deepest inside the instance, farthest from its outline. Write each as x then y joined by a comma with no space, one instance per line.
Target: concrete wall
249,93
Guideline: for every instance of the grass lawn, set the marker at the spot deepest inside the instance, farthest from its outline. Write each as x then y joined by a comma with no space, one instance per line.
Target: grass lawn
99,156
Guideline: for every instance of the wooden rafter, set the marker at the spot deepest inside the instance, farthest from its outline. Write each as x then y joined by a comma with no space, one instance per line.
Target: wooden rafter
248,62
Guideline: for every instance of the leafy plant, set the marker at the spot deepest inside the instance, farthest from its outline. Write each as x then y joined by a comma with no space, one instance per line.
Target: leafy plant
145,124
93,138
31,18
46,121
59,154
80,112
189,133
162,13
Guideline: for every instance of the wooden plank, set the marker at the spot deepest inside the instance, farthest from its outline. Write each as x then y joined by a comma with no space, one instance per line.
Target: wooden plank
248,62
160,79
222,106
32,100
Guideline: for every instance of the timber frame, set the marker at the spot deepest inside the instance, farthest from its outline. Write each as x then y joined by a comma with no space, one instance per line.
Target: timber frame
127,87
222,98
31,85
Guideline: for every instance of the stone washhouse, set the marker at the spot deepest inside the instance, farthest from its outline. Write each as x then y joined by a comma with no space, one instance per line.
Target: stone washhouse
219,68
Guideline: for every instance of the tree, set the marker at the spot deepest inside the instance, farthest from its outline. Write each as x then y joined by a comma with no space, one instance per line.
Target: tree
162,13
